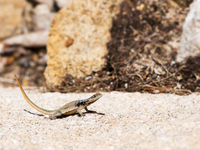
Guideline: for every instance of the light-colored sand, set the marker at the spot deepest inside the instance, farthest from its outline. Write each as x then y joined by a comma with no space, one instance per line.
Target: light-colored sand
132,121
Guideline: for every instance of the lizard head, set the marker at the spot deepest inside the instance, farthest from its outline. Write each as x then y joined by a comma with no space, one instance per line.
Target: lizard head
94,98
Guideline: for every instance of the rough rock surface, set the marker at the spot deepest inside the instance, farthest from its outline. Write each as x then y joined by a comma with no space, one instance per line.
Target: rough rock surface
11,17
77,39
132,121
190,40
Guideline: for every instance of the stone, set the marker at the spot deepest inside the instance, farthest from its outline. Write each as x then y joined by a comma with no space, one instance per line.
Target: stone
62,3
77,40
42,17
190,39
49,3
11,17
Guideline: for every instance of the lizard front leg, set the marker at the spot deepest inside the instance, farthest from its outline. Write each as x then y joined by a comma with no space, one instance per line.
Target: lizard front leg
80,112
87,110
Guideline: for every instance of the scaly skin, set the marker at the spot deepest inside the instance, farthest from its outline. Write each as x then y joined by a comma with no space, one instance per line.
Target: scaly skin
68,109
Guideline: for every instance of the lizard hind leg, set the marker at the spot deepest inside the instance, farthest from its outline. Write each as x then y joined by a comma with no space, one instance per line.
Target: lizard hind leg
55,115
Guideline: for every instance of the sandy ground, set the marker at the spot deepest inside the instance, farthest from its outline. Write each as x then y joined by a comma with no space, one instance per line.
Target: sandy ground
132,121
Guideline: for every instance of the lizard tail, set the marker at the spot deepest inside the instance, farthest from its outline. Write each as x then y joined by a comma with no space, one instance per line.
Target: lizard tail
41,110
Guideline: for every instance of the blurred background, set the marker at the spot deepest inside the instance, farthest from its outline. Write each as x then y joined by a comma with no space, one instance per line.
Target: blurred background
24,26
141,52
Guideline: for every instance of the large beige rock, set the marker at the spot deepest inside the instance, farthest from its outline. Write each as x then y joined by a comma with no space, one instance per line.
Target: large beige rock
77,39
11,17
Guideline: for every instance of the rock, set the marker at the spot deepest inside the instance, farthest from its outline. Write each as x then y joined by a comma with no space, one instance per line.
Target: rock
31,39
42,17
49,3
11,17
77,40
62,3
190,39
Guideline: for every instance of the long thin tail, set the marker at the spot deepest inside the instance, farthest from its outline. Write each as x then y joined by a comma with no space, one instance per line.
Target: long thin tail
41,110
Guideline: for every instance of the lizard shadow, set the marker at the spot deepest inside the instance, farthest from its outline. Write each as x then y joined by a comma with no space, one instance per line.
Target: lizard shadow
65,116
93,112
88,112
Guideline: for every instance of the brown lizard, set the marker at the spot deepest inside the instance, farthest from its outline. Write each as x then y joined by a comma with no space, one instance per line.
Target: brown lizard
68,109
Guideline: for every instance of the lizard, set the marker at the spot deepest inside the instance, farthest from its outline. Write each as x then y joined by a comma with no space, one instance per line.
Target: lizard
68,109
